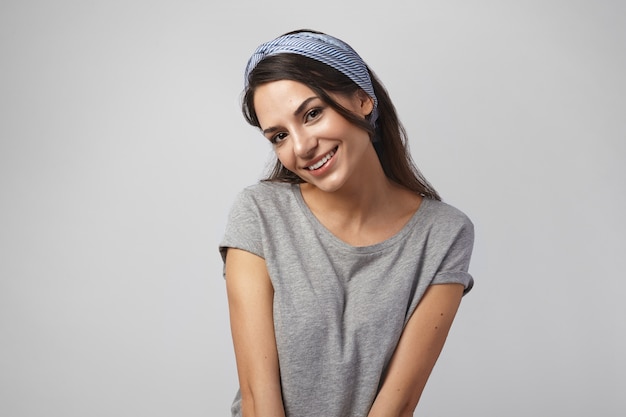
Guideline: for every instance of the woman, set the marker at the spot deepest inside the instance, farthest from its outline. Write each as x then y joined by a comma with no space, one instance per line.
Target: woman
343,269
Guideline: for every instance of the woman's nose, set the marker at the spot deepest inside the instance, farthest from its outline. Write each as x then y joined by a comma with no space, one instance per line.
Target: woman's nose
304,144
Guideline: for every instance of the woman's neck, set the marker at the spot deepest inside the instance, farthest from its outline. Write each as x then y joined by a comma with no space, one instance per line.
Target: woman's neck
362,196
369,211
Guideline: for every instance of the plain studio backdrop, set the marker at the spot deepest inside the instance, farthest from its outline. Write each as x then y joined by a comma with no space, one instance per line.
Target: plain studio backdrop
122,147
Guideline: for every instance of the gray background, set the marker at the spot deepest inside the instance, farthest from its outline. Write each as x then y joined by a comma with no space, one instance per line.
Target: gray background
122,147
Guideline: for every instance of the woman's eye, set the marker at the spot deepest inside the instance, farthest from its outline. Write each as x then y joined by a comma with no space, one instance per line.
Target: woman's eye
313,114
279,137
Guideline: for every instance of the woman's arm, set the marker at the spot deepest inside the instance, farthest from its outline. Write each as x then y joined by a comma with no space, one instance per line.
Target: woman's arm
250,297
417,351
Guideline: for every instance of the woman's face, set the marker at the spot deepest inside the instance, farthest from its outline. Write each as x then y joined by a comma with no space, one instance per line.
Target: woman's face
311,139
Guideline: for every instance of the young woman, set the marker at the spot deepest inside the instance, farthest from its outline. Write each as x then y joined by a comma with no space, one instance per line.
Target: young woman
343,269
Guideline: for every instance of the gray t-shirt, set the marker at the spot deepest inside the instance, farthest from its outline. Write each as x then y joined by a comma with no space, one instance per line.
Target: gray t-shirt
339,310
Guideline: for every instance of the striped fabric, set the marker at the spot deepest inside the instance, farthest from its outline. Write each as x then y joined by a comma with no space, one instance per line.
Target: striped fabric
324,48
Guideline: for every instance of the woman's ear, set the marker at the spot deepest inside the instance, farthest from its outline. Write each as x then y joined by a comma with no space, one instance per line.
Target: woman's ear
365,102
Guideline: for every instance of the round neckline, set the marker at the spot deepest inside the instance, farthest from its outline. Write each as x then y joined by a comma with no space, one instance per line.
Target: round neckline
337,242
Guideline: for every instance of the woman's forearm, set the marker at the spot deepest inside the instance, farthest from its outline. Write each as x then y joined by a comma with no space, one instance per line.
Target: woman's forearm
417,351
250,301
262,402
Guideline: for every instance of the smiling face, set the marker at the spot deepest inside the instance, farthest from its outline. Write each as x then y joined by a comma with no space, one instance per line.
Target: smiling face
311,139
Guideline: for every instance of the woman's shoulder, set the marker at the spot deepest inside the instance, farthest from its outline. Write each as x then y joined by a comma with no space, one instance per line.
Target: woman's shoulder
444,214
268,189
267,195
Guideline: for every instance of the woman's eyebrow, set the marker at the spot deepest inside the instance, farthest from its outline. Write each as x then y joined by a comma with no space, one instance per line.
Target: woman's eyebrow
302,105
299,110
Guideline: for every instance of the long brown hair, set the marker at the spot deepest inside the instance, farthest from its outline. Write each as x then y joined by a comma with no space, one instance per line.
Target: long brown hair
389,138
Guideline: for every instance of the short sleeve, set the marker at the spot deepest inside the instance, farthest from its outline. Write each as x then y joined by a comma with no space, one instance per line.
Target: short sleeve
455,263
243,228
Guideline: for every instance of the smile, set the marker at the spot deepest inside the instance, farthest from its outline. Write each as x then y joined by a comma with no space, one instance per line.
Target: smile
322,161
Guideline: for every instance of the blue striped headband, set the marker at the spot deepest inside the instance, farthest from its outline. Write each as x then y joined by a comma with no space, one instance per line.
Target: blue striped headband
324,48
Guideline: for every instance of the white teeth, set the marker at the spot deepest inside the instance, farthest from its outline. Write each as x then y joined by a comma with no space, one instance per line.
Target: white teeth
321,161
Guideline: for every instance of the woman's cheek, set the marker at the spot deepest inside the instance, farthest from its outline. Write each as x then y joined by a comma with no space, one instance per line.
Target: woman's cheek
280,155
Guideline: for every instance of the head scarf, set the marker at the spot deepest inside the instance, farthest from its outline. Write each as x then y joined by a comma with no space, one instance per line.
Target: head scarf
324,48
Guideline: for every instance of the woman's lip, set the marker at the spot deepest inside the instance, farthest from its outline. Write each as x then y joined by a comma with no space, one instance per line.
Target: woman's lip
326,166
327,156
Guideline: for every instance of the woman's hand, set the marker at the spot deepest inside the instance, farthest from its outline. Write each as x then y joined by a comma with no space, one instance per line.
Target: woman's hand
250,298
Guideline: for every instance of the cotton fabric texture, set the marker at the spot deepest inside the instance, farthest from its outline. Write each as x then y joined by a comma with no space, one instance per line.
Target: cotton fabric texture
339,310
